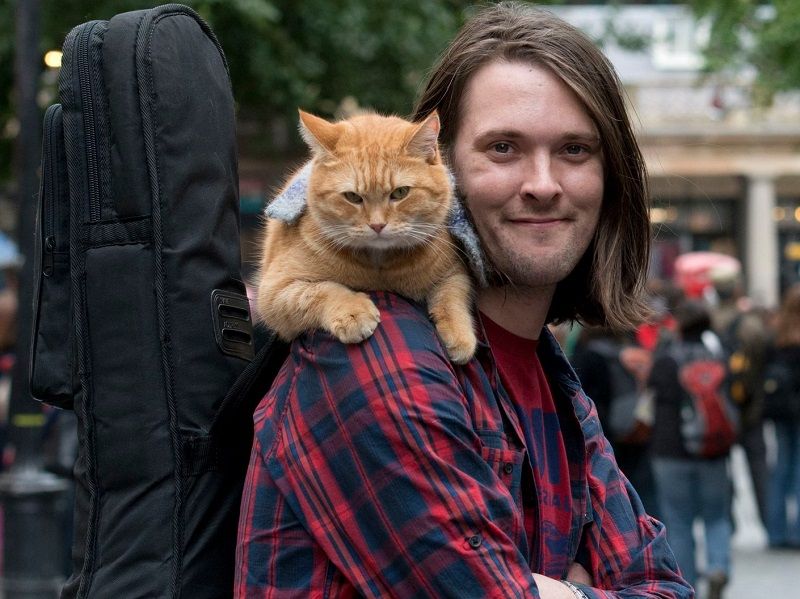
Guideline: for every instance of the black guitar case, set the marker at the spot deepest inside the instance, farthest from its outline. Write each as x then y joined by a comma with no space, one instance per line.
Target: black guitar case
142,325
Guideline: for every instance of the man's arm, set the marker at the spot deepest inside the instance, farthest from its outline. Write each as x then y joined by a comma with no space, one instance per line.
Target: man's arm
378,456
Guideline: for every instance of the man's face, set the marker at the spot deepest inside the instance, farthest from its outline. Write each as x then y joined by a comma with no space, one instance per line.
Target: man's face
528,161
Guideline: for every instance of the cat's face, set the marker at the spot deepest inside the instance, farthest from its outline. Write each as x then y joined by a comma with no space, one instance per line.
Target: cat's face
378,182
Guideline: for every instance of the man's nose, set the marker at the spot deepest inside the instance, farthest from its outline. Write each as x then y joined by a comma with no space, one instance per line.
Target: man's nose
540,182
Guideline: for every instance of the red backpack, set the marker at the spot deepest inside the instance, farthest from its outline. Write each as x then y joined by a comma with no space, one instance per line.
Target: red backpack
709,420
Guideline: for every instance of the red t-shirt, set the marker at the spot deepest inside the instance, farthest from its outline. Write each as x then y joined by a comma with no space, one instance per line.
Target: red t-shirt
525,383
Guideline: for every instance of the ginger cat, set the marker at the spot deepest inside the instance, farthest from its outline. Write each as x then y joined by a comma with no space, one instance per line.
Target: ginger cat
377,204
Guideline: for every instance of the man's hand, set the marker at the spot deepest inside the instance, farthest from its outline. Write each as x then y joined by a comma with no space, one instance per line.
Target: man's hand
550,588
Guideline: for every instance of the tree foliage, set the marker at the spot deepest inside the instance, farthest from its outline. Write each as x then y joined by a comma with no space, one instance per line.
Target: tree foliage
316,53
283,54
758,34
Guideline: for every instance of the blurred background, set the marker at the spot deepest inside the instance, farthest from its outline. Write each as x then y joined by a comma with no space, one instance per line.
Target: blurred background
714,85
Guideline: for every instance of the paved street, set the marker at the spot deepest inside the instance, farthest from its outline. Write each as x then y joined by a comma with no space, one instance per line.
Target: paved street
758,573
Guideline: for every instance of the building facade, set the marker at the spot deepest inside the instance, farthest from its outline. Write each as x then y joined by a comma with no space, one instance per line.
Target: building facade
725,174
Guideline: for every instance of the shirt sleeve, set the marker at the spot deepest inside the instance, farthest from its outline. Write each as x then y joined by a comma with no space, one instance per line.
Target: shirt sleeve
624,548
377,455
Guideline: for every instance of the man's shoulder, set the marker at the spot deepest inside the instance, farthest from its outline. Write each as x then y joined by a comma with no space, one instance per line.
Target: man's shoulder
403,350
401,310
404,328
326,385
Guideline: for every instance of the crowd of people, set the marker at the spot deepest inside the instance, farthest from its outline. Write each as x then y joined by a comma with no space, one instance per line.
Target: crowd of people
643,388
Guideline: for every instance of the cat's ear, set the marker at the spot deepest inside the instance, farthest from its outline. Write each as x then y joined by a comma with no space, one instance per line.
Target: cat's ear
319,134
424,141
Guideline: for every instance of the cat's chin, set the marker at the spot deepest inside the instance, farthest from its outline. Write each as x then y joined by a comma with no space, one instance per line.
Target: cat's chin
382,245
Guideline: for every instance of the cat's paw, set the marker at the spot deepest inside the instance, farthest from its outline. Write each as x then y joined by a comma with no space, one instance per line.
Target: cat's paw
459,340
354,320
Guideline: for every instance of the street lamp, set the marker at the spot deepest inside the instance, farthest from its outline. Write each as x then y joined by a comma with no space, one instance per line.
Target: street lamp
52,59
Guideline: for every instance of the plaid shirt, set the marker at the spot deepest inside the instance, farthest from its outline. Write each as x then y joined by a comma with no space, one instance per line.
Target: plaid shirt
381,470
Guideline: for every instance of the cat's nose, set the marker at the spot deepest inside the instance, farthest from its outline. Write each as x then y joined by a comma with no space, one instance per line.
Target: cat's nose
377,227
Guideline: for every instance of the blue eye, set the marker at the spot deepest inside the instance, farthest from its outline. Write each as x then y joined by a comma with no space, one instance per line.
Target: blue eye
574,149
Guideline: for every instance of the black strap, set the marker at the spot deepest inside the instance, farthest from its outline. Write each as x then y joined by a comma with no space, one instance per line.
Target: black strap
231,432
117,233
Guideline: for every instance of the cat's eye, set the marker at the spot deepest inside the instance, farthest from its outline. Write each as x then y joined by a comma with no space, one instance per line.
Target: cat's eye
353,198
398,193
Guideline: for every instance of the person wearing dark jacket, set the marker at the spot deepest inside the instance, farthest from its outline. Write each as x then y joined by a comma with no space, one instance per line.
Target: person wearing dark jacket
782,407
689,486
744,334
613,371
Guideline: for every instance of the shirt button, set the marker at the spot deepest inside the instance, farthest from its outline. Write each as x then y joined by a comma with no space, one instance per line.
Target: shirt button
475,541
508,467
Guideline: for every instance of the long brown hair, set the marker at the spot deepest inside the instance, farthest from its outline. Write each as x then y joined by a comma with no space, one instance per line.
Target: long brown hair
607,286
788,321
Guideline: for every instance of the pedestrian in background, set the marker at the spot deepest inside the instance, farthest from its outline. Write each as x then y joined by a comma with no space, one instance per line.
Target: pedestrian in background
690,486
10,261
614,370
782,407
743,331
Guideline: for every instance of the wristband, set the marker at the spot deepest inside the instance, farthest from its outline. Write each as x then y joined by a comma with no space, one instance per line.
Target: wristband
579,594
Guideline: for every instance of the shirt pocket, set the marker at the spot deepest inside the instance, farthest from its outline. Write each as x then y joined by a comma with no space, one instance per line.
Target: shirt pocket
506,462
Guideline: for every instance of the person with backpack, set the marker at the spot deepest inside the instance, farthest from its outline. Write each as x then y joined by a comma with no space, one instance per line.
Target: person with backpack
742,329
613,371
695,427
782,407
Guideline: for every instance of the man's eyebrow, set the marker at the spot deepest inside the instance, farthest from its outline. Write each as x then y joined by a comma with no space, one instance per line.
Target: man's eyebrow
591,136
500,133
585,136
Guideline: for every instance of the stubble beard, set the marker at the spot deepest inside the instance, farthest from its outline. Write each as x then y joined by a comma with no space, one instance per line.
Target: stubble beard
526,271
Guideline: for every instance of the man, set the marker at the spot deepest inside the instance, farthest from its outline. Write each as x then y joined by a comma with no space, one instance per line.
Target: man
692,473
742,329
382,470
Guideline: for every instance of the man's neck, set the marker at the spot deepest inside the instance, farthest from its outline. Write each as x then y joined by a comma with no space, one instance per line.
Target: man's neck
519,310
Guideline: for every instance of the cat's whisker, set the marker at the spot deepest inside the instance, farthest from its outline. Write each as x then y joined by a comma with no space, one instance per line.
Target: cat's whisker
455,246
437,250
329,242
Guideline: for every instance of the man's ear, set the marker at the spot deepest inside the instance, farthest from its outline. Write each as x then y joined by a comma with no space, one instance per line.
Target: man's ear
319,134
424,141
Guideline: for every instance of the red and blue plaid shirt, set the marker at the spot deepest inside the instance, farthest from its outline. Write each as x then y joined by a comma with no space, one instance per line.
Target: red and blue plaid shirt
382,470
